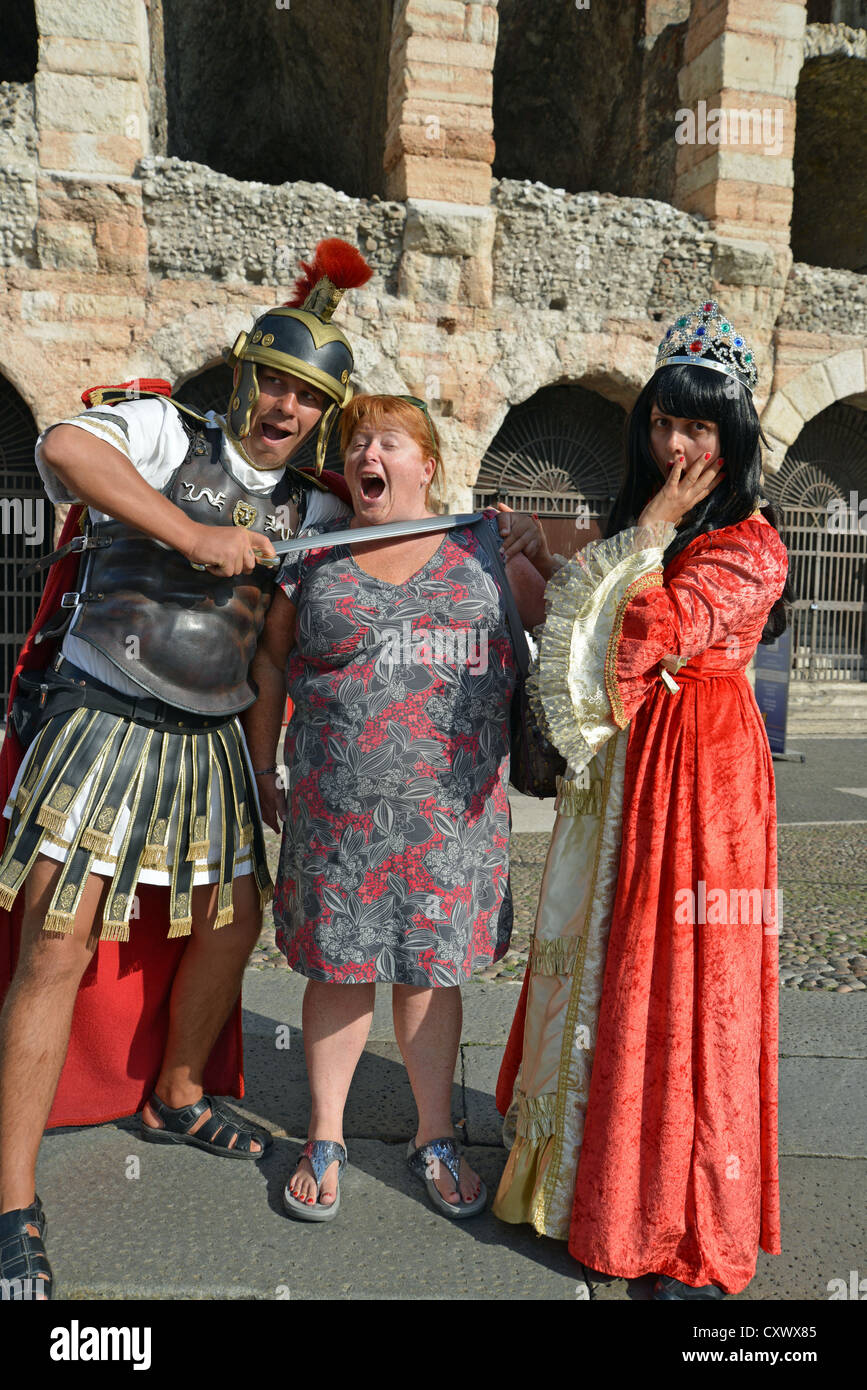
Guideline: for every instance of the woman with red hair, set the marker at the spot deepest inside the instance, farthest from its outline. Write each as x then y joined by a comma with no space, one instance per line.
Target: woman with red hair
394,864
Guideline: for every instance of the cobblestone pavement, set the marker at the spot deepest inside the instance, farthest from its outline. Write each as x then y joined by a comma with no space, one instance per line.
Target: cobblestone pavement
823,878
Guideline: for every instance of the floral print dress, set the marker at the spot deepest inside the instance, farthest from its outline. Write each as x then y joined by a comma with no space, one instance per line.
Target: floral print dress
394,864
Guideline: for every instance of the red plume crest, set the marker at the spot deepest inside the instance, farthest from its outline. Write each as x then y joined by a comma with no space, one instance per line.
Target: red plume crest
343,264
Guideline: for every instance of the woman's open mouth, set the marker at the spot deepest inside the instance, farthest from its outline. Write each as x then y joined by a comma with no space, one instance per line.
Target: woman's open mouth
372,486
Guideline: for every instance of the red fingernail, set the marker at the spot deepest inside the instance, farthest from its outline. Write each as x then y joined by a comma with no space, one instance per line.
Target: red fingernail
706,457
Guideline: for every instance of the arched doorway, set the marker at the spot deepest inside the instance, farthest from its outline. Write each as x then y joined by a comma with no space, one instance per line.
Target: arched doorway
27,519
274,92
818,491
829,208
560,455
19,53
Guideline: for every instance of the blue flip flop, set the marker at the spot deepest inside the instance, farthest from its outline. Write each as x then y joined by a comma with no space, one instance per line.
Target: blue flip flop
319,1154
424,1163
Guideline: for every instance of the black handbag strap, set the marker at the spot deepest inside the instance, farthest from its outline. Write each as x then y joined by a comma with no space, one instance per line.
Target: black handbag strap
516,627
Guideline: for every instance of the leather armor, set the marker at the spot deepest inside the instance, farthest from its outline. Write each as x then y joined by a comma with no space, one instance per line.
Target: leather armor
183,634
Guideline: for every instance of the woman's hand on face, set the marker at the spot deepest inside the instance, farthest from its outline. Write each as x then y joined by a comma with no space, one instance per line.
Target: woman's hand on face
522,535
682,490
272,799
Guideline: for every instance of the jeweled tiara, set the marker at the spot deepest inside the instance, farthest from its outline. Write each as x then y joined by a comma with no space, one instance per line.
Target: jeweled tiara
706,338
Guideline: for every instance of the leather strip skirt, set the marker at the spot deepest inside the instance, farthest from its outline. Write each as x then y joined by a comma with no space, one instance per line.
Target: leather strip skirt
106,794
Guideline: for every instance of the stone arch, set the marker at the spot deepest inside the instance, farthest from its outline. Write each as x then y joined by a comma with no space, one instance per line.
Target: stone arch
273,93
19,52
557,453
819,492
811,391
826,462
614,365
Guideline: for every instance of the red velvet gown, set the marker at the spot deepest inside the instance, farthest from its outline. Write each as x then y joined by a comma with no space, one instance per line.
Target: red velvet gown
677,1171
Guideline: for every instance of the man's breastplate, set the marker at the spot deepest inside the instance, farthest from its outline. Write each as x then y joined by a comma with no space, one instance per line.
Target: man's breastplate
185,635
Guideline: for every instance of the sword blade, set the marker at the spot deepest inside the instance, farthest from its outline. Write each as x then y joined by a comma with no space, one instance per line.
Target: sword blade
389,530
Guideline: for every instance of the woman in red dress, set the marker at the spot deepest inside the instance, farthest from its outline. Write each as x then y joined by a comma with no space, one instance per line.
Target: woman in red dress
640,1078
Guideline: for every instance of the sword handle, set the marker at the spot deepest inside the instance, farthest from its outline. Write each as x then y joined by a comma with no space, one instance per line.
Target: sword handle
269,561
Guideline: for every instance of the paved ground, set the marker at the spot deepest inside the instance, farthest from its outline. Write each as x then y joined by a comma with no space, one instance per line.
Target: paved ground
134,1221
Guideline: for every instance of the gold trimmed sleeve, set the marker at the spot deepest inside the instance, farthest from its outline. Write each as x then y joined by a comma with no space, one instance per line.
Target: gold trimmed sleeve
569,692
612,687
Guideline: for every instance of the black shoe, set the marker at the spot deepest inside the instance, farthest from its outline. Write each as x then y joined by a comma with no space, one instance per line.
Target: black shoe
22,1256
668,1290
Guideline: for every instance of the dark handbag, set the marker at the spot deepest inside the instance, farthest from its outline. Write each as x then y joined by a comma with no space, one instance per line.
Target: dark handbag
535,763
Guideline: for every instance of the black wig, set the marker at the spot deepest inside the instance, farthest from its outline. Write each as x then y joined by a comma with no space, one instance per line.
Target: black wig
699,393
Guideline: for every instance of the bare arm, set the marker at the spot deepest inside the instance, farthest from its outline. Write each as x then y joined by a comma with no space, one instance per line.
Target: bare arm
528,590
263,720
100,475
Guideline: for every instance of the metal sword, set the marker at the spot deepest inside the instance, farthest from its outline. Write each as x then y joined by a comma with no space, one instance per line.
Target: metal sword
387,531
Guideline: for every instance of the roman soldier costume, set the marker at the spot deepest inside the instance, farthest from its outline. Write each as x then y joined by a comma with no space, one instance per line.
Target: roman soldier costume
123,755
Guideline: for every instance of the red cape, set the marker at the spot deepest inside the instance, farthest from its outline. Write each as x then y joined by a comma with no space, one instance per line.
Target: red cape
120,1021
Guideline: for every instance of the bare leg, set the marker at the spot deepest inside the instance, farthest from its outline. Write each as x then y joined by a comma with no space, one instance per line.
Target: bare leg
427,1025
336,1022
35,1024
207,983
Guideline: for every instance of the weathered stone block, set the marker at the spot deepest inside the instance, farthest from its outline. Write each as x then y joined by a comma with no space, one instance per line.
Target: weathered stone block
122,246
443,180
66,246
705,26
764,169
424,277
701,174
93,20
750,62
782,419
91,57
449,53
93,105
430,81
441,19
481,22
447,229
701,79
810,391
451,141
744,263
776,17
758,123
40,304
102,306
91,154
788,62
846,373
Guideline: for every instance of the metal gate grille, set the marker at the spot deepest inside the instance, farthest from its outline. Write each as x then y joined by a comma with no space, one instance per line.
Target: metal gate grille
24,509
828,570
